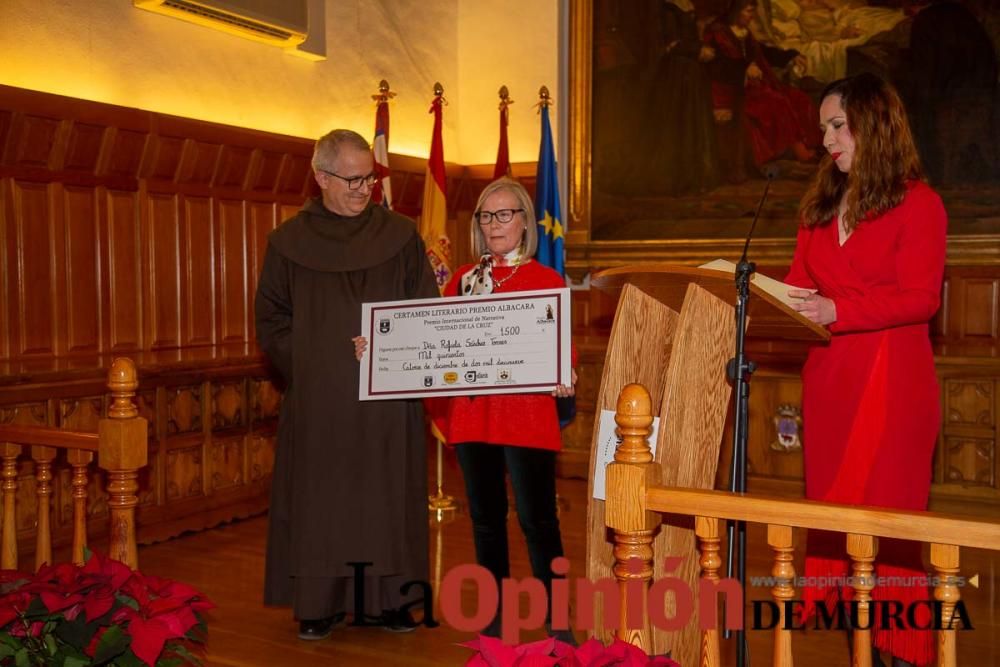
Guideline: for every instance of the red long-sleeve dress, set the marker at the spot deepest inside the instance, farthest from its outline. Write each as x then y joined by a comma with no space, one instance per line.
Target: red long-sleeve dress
871,408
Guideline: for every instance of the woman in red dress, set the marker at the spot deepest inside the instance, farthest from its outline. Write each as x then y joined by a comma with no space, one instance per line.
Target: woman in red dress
872,246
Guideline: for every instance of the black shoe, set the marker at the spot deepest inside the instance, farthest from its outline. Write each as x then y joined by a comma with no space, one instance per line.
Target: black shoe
316,630
320,628
395,620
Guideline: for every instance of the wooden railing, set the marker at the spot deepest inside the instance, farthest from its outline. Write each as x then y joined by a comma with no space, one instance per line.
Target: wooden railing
635,502
121,448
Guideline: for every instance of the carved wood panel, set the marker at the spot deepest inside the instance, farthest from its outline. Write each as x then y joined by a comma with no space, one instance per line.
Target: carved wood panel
265,400
183,409
81,414
260,455
184,473
226,462
969,402
970,461
31,414
229,404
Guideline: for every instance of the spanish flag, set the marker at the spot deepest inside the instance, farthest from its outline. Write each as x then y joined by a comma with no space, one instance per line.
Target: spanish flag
434,214
547,209
382,192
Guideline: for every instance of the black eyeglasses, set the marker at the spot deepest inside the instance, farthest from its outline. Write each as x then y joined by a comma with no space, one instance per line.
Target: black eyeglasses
503,216
355,182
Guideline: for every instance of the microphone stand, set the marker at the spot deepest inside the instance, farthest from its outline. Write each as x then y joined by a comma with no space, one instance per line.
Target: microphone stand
739,369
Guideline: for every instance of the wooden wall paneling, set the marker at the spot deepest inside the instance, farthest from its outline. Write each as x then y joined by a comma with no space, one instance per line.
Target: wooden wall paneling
226,461
6,145
233,256
127,150
184,471
83,241
7,262
36,138
199,161
296,177
980,312
165,158
234,167
198,277
940,324
84,147
163,257
36,284
267,171
122,276
262,218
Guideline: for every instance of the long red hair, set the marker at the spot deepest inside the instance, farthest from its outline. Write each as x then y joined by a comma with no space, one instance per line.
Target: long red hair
885,156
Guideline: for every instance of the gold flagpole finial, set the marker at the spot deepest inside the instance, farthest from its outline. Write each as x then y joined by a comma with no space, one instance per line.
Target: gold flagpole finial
439,92
383,94
505,100
544,98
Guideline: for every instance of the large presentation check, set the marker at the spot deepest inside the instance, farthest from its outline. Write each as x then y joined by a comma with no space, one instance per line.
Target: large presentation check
492,344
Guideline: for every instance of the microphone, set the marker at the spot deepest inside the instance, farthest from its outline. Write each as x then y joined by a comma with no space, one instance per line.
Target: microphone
771,172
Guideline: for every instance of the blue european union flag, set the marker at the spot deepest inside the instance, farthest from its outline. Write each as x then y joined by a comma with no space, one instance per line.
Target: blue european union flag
547,209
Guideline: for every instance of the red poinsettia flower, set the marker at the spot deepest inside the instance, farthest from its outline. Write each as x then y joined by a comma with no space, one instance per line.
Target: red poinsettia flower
491,652
150,616
98,602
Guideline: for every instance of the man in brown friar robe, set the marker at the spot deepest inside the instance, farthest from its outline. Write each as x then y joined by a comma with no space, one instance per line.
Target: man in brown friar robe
350,481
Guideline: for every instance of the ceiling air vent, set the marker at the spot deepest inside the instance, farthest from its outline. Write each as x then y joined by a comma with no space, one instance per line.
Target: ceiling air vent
277,22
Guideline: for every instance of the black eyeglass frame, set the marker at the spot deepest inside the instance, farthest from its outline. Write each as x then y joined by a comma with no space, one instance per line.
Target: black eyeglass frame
355,182
490,215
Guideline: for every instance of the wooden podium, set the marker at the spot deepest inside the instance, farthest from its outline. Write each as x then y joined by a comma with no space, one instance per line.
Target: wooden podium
673,332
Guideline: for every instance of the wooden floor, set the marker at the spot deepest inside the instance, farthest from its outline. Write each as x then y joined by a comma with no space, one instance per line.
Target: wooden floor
227,564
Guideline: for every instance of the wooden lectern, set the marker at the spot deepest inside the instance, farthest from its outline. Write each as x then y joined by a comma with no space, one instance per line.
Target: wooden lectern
674,332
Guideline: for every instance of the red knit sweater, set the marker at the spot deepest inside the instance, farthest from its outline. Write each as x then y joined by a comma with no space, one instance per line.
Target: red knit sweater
523,420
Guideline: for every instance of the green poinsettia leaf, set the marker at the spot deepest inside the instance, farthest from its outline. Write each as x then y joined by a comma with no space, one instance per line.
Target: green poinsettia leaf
50,644
126,600
169,662
189,657
36,609
21,658
128,659
75,633
6,650
113,643
9,641
73,661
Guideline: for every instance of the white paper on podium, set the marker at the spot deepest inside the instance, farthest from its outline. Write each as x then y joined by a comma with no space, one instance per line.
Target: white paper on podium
607,443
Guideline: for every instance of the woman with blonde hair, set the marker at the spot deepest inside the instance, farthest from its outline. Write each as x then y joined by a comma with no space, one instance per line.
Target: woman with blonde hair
516,433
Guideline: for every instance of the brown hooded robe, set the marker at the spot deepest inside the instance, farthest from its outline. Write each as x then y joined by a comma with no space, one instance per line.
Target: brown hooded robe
350,481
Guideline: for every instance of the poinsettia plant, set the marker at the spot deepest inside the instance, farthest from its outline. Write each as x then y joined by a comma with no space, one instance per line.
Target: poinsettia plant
492,652
99,613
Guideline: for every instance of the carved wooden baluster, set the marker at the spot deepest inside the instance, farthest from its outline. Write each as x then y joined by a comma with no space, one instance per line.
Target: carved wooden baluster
944,558
79,459
862,549
780,539
43,458
707,530
627,479
122,451
8,542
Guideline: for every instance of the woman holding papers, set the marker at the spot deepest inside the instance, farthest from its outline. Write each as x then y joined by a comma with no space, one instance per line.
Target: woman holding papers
516,432
872,245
